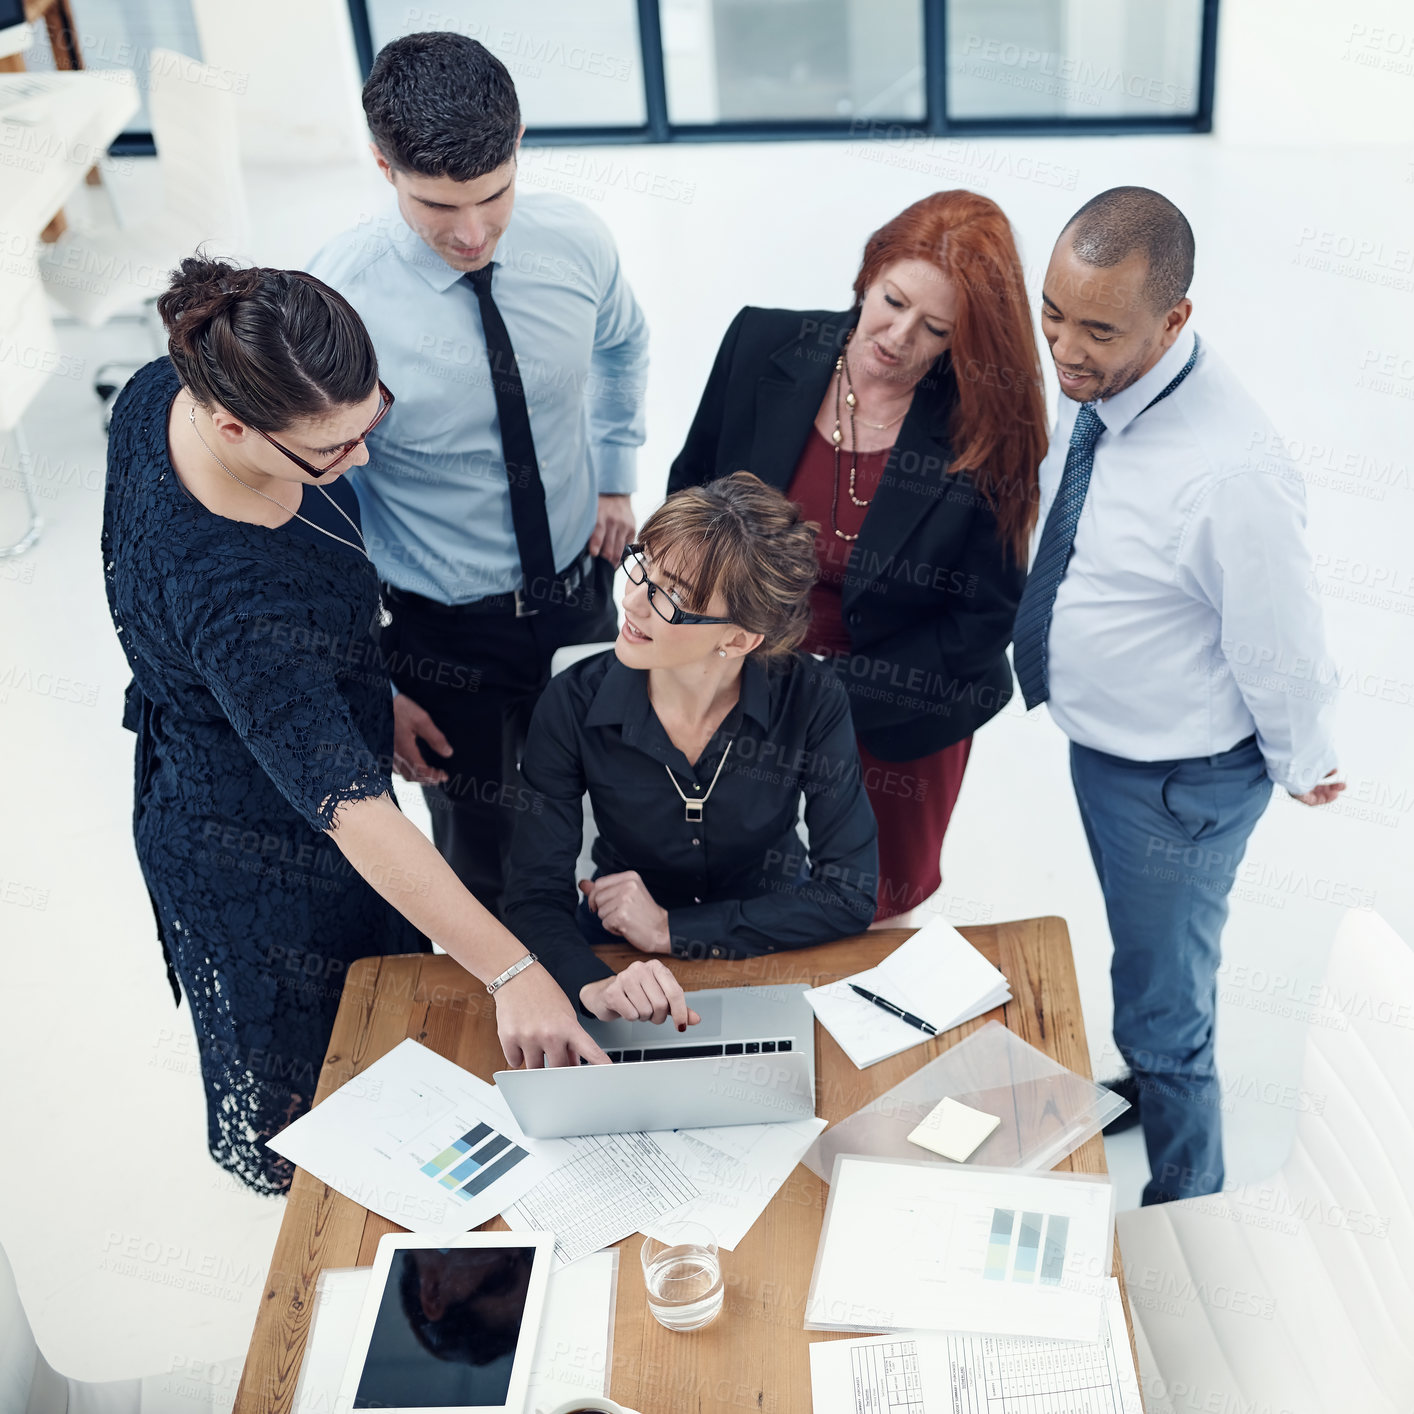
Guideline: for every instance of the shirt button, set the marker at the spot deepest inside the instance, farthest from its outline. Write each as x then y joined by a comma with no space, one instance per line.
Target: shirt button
695,840
695,899
854,618
714,951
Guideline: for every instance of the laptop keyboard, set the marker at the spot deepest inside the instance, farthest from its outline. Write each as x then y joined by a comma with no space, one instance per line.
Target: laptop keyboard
690,1051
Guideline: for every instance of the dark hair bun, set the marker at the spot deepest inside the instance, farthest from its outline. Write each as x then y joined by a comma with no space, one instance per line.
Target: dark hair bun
200,290
269,346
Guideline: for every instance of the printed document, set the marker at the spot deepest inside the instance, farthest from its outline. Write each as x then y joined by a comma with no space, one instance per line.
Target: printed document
942,1247
419,1141
605,1187
979,1374
737,1169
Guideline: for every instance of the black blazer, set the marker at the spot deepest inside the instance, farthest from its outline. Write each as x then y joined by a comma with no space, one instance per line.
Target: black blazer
931,592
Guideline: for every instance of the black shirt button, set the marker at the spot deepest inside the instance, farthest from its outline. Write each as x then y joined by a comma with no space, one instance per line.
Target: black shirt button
854,618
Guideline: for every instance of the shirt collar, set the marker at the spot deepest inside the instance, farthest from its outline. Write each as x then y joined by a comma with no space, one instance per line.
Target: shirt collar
417,255
622,699
1119,411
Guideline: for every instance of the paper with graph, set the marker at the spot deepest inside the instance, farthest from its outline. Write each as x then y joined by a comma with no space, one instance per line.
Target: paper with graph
938,1247
979,1374
420,1141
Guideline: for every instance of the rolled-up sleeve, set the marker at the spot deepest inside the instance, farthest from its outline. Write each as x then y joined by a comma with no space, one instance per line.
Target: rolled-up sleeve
614,400
837,898
1244,551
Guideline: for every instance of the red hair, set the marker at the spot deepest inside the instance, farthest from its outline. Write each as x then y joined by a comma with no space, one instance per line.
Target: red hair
999,426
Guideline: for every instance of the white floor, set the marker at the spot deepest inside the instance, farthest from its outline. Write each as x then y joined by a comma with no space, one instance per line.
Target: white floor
133,1251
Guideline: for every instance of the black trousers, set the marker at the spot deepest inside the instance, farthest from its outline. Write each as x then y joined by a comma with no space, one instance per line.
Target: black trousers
479,677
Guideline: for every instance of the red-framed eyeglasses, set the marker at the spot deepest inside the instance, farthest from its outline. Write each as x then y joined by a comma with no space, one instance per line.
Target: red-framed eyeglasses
386,402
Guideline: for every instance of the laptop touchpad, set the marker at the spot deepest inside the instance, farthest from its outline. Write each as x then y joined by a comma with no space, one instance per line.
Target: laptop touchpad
627,1033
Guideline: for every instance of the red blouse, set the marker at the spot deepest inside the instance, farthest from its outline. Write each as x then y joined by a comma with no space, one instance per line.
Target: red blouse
813,489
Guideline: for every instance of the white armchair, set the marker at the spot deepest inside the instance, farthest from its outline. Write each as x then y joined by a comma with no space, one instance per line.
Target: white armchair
1297,1295
29,1384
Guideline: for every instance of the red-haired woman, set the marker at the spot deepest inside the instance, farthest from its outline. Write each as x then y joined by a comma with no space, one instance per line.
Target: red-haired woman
910,428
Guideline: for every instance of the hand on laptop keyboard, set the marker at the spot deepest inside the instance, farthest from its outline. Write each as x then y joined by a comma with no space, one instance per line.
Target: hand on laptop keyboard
643,991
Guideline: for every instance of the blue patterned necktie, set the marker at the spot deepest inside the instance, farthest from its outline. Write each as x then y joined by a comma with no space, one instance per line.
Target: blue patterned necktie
1038,599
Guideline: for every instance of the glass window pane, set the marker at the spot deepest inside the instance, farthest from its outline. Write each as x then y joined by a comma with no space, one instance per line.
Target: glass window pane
1073,58
574,65
732,61
121,34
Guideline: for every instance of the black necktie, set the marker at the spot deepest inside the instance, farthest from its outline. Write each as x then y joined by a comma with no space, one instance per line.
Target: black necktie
528,514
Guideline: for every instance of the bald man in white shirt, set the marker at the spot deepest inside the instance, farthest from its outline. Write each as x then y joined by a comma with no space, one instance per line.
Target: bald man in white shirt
1170,624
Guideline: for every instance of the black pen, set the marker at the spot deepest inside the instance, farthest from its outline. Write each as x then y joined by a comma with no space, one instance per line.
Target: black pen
897,1011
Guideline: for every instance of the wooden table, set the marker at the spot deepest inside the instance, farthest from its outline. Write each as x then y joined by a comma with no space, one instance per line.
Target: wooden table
754,1357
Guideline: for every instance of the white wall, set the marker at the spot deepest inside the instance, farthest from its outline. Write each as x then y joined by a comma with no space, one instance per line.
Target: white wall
295,75
1296,72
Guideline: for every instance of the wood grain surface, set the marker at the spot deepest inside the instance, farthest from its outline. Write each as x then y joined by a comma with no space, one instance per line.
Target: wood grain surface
755,1356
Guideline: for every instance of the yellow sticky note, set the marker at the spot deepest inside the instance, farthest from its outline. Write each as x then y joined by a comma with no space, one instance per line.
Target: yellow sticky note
953,1130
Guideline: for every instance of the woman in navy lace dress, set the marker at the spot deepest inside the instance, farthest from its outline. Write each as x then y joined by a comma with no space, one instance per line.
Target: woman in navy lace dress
242,593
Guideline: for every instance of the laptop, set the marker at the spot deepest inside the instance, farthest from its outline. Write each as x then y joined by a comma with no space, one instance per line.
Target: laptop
751,1060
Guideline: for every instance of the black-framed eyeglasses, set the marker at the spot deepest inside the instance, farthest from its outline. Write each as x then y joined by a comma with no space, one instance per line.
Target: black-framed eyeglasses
632,563
385,403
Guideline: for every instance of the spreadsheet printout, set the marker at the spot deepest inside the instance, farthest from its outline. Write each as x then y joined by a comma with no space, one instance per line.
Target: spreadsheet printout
609,1186
979,1374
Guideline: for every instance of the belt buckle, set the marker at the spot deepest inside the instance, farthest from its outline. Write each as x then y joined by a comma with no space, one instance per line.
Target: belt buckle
522,610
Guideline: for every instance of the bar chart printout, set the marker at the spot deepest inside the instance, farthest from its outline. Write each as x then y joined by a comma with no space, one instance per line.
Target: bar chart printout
1016,1250
418,1140
475,1161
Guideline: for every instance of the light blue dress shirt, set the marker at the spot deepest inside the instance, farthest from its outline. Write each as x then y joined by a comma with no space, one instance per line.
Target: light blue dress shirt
1188,618
436,507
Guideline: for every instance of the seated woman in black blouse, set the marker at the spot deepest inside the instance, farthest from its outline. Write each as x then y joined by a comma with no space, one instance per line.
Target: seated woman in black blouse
696,738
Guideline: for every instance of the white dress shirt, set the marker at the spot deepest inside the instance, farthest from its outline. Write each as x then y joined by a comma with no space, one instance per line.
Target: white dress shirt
1188,617
436,506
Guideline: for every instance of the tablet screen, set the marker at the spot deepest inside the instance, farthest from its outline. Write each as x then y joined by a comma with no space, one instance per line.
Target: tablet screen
447,1328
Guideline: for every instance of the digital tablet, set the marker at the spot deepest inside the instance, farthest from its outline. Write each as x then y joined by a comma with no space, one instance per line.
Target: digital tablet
449,1325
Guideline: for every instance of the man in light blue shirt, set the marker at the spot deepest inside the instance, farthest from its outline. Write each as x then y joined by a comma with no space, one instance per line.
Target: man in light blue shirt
1170,624
496,499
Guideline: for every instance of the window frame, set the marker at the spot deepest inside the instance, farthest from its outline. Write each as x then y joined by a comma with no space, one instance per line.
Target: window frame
657,128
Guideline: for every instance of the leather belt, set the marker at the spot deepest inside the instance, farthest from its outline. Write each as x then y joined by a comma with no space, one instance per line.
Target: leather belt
514,602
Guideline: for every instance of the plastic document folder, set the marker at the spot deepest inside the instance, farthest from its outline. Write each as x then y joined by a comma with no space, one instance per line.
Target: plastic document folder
1046,1111
943,1247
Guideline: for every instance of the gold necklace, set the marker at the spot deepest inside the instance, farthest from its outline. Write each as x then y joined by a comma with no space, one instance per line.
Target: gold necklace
843,376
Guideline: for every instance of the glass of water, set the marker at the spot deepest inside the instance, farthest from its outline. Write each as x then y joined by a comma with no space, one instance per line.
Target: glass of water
683,1276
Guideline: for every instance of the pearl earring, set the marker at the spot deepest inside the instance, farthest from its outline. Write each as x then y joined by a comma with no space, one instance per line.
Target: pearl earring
721,652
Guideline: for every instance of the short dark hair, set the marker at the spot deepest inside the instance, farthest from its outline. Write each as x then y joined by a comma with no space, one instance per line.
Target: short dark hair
1111,226
442,105
270,346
